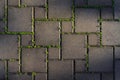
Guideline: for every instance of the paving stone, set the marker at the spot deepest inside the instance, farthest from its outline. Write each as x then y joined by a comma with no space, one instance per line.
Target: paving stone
40,12
94,39
110,31
2,4
47,33
19,77
33,2
107,76
26,40
2,70
54,53
80,2
2,26
100,2
13,2
107,13
15,19
117,70
60,8
63,70
80,66
117,52
117,9
35,56
86,20
73,46
87,76
13,66
8,46
66,26
41,76
101,59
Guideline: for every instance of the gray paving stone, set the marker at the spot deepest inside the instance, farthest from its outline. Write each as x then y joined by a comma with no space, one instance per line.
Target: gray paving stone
54,53
73,46
2,70
80,2
99,2
87,76
13,2
110,31
94,39
60,8
13,66
8,46
117,9
40,12
117,70
19,77
80,66
107,76
41,76
86,20
107,13
47,33
2,4
66,26
26,40
33,2
117,52
2,26
101,59
63,70
16,16
36,58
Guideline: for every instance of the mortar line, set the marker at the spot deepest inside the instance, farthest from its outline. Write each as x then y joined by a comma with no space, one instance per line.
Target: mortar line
101,76
33,26
47,9
87,55
19,3
113,62
74,70
60,42
113,8
73,16
47,61
6,16
6,69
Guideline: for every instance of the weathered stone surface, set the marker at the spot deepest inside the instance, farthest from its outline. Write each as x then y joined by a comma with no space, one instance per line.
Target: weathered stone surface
54,53
63,70
101,59
26,40
35,57
60,8
66,26
18,22
41,76
40,12
2,70
117,52
80,2
73,46
107,76
107,13
2,26
117,9
2,4
117,70
8,46
47,33
80,66
94,39
13,66
110,31
86,20
13,2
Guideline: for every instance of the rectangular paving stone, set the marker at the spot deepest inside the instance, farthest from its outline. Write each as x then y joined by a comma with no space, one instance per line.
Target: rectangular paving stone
13,66
60,8
19,77
40,12
101,59
41,76
100,2
54,53
107,13
80,66
117,9
110,31
33,60
87,76
8,46
73,46
33,2
19,19
26,40
94,39
63,70
66,26
86,20
117,70
107,76
47,33
2,70
2,5
13,2
117,52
